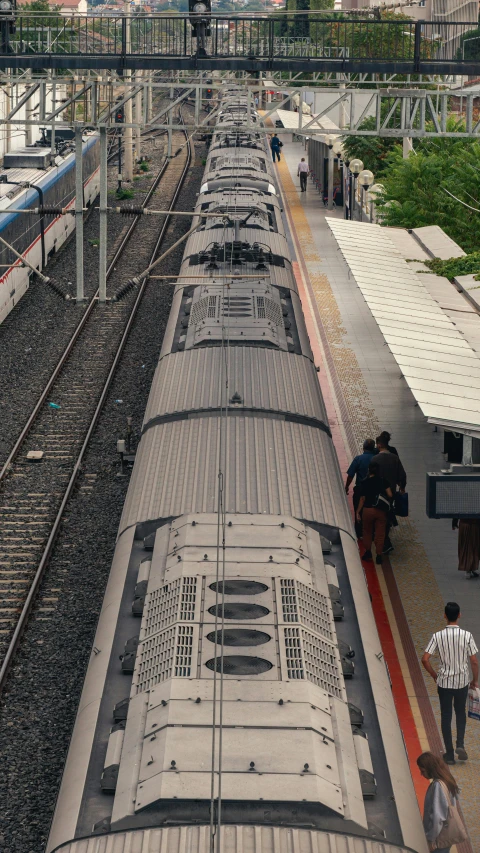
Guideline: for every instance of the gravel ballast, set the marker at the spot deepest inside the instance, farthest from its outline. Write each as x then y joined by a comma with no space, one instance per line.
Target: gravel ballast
38,708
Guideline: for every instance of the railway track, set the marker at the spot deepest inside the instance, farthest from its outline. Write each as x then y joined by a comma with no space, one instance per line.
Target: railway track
34,495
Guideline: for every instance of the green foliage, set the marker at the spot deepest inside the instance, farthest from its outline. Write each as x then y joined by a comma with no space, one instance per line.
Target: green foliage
125,193
144,167
470,45
372,150
455,266
417,190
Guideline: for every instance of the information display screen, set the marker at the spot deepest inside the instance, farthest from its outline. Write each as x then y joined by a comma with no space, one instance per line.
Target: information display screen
453,495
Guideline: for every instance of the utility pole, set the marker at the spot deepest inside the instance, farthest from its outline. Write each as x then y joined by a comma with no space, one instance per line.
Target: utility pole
127,76
79,211
102,274
138,118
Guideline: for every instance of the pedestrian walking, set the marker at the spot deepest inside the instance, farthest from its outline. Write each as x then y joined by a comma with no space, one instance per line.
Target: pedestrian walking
441,821
386,437
275,145
455,648
468,545
302,173
390,466
256,101
359,469
375,497
392,470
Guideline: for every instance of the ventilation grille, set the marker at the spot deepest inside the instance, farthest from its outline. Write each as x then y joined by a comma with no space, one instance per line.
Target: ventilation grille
206,307
321,665
162,607
289,601
165,655
237,306
171,602
188,600
293,650
301,603
212,306
156,660
183,655
314,611
199,311
308,657
273,312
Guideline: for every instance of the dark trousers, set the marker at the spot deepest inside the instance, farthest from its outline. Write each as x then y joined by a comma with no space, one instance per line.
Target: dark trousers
275,151
356,501
458,699
303,181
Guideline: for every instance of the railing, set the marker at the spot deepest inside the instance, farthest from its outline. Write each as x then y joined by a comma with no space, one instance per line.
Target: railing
261,41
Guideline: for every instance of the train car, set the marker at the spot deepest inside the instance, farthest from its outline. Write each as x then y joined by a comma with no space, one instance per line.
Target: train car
36,237
237,697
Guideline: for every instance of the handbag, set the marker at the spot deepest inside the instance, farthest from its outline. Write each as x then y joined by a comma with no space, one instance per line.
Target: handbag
474,704
401,504
453,830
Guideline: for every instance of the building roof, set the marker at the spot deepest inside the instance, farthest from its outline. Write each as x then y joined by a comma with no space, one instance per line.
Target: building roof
429,327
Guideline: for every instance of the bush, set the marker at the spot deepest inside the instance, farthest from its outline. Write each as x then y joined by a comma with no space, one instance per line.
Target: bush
454,267
124,194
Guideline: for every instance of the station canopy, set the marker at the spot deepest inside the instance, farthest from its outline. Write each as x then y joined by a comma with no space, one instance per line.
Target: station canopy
436,358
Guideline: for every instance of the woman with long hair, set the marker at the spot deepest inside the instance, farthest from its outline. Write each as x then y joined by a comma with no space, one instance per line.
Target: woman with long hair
441,820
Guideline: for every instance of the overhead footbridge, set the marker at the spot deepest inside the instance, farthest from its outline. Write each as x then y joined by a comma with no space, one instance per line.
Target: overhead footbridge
306,42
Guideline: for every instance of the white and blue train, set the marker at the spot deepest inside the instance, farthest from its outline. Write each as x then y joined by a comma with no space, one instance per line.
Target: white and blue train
31,179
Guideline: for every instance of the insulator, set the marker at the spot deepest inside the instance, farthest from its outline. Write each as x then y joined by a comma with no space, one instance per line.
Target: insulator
130,211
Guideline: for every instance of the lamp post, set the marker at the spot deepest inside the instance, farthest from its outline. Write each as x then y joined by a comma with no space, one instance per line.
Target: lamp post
329,142
473,38
356,167
374,191
365,179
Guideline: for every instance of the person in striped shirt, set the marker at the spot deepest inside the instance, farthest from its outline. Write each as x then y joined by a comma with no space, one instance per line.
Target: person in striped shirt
456,648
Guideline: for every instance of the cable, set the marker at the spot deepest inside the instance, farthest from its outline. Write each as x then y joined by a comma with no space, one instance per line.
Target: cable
475,209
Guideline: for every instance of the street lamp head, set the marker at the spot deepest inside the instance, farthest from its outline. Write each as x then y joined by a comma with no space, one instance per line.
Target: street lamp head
356,166
329,141
366,178
375,190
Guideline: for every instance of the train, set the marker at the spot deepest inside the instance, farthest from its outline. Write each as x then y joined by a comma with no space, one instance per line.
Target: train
237,697
33,177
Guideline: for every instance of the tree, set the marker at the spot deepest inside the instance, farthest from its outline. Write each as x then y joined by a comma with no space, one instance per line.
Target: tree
439,188
470,46
372,150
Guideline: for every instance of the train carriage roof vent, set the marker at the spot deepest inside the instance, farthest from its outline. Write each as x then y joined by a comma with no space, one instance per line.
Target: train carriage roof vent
28,158
239,587
326,545
149,542
239,665
239,637
365,766
356,714
239,610
102,826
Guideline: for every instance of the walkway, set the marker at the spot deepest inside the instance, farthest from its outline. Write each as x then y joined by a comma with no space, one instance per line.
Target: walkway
362,383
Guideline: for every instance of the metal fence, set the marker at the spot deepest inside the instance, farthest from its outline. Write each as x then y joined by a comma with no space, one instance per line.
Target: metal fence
257,42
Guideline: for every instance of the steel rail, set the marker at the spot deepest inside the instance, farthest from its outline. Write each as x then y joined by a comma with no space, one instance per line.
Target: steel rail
24,616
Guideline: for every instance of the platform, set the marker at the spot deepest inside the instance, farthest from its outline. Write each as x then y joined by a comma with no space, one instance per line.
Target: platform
365,393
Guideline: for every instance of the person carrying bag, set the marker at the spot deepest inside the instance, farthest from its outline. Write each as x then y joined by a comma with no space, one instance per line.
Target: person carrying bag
441,819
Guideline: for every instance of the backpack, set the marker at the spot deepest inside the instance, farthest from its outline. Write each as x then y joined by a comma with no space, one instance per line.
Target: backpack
382,502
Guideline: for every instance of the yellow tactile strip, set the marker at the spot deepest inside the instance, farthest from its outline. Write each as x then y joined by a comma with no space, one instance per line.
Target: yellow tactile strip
414,575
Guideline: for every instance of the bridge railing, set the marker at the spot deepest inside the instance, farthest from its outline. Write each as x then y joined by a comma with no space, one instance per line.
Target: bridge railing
327,41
